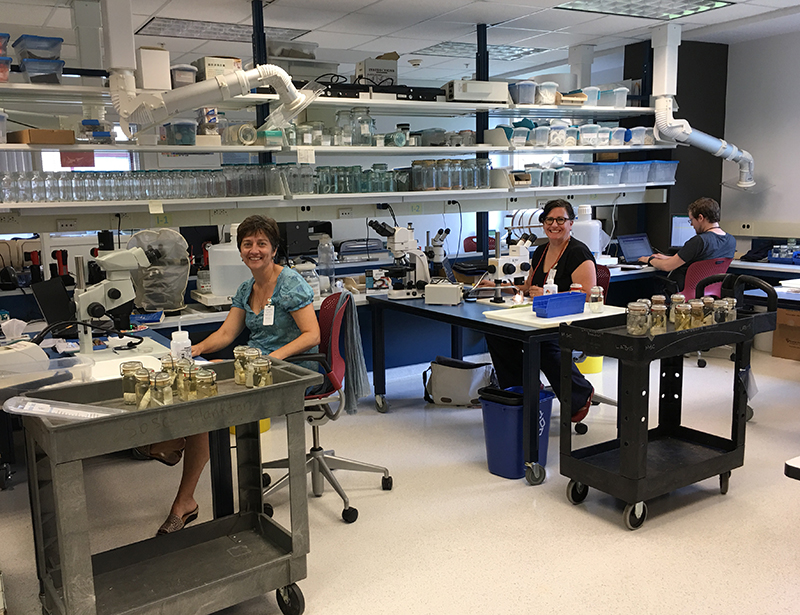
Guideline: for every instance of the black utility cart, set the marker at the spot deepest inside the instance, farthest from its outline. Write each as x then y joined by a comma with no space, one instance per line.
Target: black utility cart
642,463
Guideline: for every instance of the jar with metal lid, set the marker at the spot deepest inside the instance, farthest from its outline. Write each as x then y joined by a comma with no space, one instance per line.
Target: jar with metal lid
239,364
250,355
708,310
596,300
180,366
190,383
206,383
720,311
443,175
647,302
697,313
576,288
170,366
683,316
260,372
731,308
128,372
363,126
161,390
658,300
142,388
658,319
638,318
675,300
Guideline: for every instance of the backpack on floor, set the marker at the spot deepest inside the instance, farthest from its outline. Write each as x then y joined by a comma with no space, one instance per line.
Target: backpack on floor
455,383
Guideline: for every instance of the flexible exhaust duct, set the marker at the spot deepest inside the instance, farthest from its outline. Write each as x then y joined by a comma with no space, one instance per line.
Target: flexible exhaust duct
665,42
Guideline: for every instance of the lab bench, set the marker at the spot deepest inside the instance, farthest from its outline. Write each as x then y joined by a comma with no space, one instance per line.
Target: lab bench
201,569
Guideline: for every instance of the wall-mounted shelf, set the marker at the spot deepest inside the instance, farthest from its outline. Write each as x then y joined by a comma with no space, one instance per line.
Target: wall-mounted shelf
603,114
132,147
360,150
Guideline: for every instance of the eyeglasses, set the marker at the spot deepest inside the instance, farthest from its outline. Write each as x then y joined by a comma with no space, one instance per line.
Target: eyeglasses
560,221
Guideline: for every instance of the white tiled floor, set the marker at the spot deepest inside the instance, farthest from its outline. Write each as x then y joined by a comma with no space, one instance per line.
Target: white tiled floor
452,538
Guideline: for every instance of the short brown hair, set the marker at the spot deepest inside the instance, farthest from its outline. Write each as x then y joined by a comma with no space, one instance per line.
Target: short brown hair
253,225
551,205
707,207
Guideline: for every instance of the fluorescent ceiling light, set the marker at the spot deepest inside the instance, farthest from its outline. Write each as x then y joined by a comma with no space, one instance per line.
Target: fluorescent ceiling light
649,9
452,49
212,30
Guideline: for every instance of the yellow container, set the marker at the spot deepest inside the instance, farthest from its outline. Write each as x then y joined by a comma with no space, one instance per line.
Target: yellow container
263,425
591,365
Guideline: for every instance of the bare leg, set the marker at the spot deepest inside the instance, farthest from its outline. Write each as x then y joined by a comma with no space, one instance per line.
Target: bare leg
168,446
195,458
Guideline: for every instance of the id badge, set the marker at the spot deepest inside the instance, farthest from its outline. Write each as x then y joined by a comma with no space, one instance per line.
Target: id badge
269,315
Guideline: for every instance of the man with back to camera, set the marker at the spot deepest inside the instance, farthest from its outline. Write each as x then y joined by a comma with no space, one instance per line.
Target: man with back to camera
709,242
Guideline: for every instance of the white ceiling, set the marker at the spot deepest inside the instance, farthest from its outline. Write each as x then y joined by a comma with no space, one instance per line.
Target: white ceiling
348,31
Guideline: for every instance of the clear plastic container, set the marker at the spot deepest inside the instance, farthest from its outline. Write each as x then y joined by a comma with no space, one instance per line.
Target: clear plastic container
588,134
635,173
662,171
617,136
5,68
4,36
30,46
603,136
183,74
591,96
564,176
542,136
433,136
649,136
573,134
637,135
523,92
42,71
536,176
181,132
546,93
239,134
557,136
519,136
609,173
548,178
621,97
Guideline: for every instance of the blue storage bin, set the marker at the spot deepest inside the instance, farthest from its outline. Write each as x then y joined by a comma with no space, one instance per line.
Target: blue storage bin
635,173
30,46
560,304
42,71
502,429
662,171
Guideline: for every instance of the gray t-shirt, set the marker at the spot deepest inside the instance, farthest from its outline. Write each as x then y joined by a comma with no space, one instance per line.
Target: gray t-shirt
703,247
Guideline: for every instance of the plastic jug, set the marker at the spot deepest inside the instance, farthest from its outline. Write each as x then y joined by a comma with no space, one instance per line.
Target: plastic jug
589,231
180,347
325,264
227,269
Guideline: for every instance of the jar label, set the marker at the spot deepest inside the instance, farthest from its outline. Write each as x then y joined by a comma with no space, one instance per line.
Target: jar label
364,129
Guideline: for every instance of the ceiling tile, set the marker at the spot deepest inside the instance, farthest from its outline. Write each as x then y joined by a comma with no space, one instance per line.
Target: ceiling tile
612,42
361,23
610,24
224,48
335,40
551,19
343,56
778,4
147,7
464,64
283,16
503,36
727,13
384,44
24,14
207,10
60,18
422,9
488,13
174,45
433,74
555,40
436,31
345,6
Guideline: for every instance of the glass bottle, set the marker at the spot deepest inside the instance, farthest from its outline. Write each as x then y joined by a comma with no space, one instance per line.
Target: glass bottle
363,126
239,365
647,302
675,300
250,355
443,175
189,391
142,388
180,366
469,174
206,383
708,310
455,175
317,128
128,372
731,308
658,319
683,316
658,300
162,390
261,369
696,306
596,301
484,171
720,311
637,318
169,366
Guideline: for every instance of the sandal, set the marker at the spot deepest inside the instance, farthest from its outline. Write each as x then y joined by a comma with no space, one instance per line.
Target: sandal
174,523
169,458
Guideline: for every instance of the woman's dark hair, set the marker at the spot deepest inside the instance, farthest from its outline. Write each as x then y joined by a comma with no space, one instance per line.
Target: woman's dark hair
551,205
253,225
707,207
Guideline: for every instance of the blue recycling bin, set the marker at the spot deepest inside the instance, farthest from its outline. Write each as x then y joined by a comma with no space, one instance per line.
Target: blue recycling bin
502,428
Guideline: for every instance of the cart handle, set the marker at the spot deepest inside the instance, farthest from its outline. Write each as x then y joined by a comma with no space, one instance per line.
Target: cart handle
744,282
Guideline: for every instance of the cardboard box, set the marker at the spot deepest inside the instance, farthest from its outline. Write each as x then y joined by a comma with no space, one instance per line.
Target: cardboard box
42,137
378,70
786,337
152,69
209,67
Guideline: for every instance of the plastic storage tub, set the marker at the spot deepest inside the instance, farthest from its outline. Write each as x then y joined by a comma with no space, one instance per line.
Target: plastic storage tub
635,173
502,428
433,136
548,178
588,171
30,46
546,93
181,132
637,135
5,68
603,136
589,134
183,74
573,133
536,176
519,136
617,136
609,173
3,120
523,92
4,36
42,71
617,97
662,171
558,136
542,136
591,96
564,176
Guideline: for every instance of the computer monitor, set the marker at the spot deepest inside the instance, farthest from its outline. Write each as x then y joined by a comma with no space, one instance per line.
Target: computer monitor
634,246
56,305
681,231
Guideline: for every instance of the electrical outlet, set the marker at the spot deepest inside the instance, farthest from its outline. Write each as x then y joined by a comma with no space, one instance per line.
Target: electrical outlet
67,224
218,216
345,212
120,220
9,219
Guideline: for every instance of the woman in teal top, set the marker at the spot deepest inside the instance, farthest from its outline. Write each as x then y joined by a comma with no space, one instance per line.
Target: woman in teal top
276,306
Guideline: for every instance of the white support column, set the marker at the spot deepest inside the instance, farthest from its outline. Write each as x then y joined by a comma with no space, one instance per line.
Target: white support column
665,42
580,63
86,22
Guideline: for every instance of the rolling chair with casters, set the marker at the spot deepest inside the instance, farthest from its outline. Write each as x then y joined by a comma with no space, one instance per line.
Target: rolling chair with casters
318,412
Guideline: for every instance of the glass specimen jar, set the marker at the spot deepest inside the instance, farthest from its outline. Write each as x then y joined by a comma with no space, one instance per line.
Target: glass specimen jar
720,311
683,316
240,364
262,372
675,300
658,300
206,383
250,355
731,308
708,310
363,126
189,377
638,319
596,301
128,372
142,388
658,319
697,313
162,390
180,366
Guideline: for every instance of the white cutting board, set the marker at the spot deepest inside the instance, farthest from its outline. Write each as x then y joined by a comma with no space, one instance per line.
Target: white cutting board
529,318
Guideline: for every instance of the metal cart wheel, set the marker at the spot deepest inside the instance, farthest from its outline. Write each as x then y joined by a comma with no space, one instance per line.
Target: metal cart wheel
535,474
350,515
387,483
748,413
380,404
724,480
577,492
634,515
581,428
267,509
701,362
290,600
266,480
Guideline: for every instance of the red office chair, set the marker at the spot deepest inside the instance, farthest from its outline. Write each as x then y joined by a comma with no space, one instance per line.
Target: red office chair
603,275
471,243
318,412
698,271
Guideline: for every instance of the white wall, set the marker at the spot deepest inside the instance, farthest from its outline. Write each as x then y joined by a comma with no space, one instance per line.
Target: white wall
761,117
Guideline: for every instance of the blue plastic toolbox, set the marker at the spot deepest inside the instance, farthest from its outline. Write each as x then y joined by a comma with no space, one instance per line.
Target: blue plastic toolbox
560,304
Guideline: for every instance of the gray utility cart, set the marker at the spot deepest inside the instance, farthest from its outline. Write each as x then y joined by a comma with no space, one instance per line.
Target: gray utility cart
200,569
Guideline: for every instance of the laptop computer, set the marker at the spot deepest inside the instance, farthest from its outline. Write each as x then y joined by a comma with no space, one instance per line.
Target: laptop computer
634,246
56,306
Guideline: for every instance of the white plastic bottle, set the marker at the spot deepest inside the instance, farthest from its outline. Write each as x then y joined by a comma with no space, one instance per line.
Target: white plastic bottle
180,347
588,231
325,264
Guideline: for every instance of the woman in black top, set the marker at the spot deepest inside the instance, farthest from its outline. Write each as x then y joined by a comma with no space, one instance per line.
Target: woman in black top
563,261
